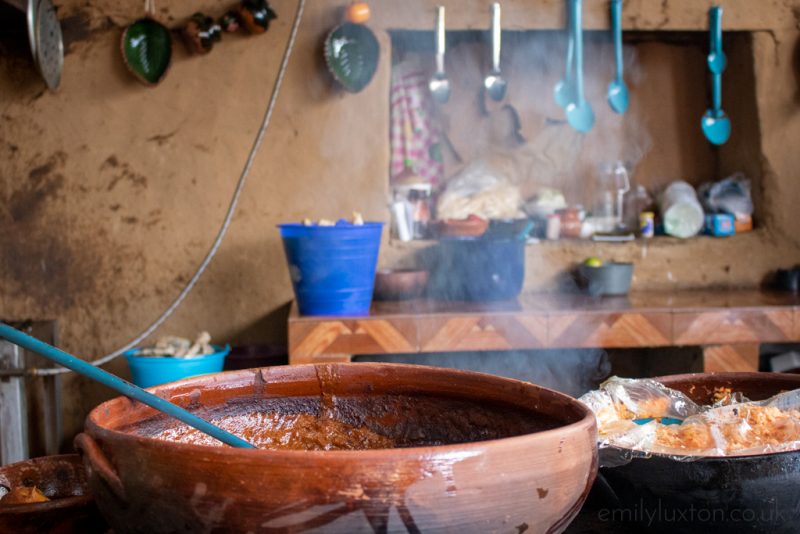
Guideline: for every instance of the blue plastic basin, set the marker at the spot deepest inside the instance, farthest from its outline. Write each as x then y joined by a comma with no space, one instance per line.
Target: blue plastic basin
332,267
149,371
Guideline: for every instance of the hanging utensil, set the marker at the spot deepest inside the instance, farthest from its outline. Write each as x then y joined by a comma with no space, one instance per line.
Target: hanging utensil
439,84
494,82
717,60
122,386
147,47
351,53
579,113
564,92
716,124
44,36
617,90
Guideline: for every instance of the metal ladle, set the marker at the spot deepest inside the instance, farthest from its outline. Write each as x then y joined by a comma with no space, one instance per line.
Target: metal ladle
122,386
564,92
494,83
716,124
44,35
439,84
579,113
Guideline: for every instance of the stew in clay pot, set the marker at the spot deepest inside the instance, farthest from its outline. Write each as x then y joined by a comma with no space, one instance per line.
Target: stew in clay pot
347,448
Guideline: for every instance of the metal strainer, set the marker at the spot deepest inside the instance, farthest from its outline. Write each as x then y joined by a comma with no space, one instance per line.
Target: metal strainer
44,34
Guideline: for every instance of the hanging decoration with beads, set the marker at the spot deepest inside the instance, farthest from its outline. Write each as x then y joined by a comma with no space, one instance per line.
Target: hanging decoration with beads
202,31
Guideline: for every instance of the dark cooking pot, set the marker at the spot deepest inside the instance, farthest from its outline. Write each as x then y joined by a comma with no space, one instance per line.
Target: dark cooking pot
756,493
531,481
486,268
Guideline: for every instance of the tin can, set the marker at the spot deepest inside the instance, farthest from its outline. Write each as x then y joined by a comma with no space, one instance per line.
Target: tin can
647,224
553,229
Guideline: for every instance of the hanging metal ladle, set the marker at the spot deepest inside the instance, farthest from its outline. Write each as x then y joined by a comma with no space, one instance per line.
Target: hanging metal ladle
114,382
494,82
44,35
439,84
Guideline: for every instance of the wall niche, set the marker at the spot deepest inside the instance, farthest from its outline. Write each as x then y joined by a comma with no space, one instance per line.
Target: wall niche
526,136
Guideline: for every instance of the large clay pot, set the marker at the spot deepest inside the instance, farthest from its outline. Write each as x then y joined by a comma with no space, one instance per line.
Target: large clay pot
532,482
754,493
63,480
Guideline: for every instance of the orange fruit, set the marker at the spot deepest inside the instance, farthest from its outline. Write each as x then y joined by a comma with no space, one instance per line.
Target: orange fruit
358,12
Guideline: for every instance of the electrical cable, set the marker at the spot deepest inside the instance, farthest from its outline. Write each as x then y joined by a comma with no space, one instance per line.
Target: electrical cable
228,216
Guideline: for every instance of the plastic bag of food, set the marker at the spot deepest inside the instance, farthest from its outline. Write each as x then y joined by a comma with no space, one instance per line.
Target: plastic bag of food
637,418
479,189
731,195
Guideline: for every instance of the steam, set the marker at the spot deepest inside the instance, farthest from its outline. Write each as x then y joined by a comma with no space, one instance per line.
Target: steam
526,137
573,372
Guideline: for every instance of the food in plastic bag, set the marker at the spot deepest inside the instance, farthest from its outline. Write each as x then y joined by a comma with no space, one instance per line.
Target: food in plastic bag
480,190
636,418
731,195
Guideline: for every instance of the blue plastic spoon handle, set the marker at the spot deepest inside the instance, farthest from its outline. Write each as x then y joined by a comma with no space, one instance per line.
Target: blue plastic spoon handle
570,54
576,30
616,22
716,93
122,386
716,29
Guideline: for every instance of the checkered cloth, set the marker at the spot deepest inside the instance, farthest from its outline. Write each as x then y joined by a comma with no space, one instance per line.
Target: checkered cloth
415,133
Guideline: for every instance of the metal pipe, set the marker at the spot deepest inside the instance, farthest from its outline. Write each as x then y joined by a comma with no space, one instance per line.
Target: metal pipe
22,5
122,386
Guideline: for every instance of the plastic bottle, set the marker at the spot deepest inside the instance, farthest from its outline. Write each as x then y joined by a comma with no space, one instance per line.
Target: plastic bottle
681,211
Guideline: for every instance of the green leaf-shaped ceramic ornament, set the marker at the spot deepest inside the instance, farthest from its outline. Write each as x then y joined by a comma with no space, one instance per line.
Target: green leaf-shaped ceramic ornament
351,52
147,50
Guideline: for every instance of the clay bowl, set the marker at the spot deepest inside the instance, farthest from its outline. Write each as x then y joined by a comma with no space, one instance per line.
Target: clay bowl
513,455
469,227
400,284
755,493
63,480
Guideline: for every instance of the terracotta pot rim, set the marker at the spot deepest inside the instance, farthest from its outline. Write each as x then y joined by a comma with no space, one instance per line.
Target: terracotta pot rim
54,504
38,507
732,375
586,422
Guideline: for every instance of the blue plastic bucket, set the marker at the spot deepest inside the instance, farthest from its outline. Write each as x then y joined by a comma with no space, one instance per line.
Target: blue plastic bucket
149,371
332,267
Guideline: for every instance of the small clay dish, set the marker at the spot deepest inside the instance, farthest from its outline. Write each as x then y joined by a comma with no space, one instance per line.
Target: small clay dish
400,284
147,50
469,227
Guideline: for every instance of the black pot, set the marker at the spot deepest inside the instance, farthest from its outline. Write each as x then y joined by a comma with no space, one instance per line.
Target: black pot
759,493
476,269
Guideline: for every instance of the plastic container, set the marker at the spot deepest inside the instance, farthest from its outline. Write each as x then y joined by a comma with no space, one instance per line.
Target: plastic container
681,212
332,267
719,225
149,371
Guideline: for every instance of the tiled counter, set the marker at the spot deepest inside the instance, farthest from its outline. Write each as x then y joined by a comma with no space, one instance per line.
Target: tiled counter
729,325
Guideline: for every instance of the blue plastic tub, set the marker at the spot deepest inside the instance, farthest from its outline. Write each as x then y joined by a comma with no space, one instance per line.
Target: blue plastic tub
149,371
332,267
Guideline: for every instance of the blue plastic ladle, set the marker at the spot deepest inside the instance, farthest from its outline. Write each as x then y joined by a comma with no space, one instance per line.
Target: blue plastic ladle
564,92
717,60
618,97
715,123
122,386
579,112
